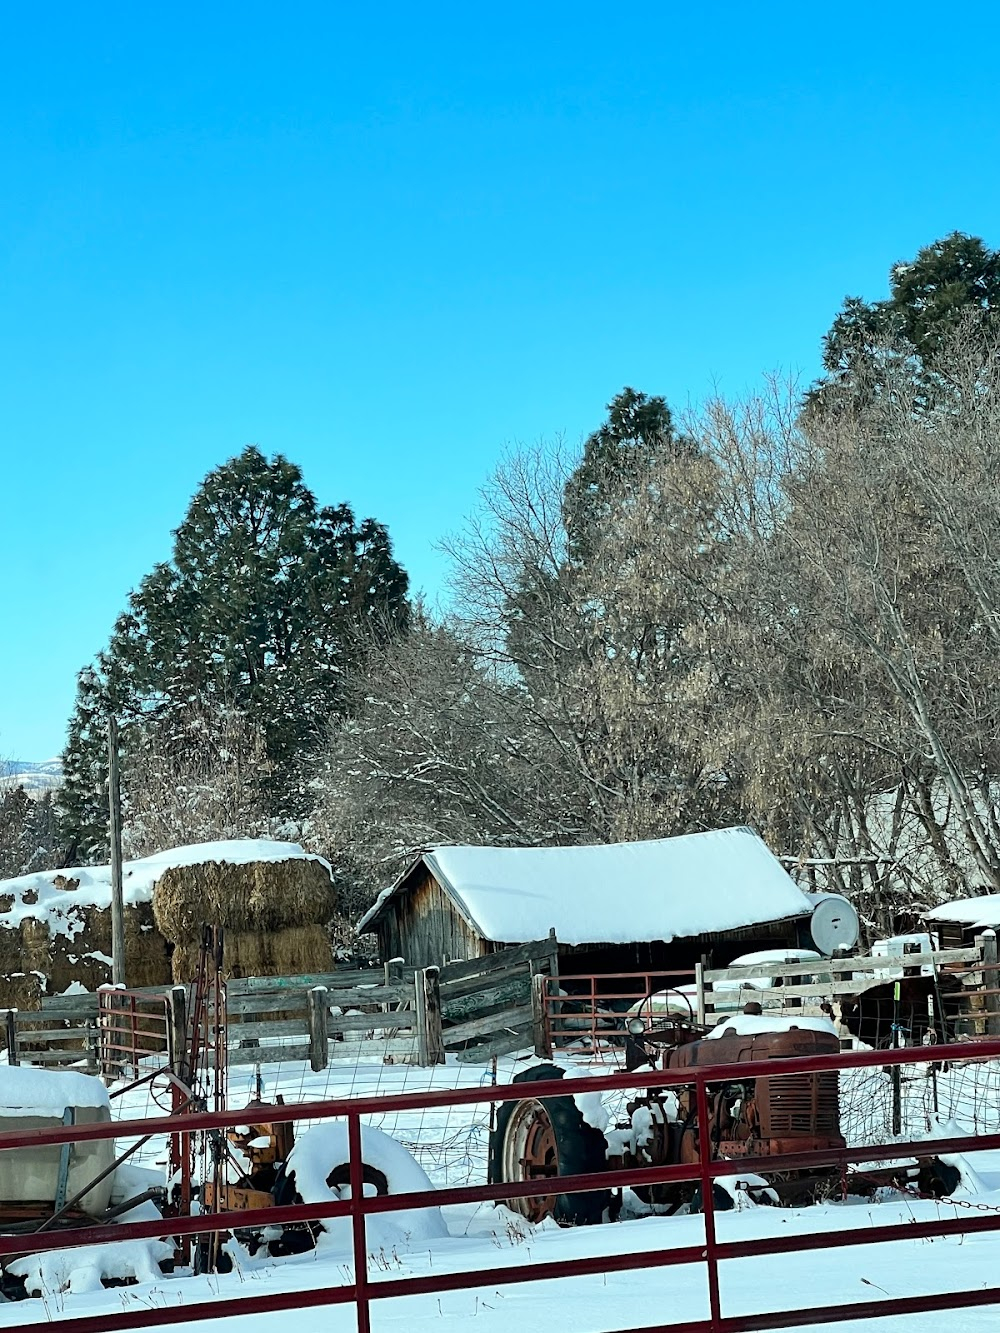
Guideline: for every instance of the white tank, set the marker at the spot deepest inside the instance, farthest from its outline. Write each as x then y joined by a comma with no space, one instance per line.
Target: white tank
834,922
41,1098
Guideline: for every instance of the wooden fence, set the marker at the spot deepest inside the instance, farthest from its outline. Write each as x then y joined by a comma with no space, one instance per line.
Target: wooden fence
958,990
62,1032
316,1016
473,1009
492,1005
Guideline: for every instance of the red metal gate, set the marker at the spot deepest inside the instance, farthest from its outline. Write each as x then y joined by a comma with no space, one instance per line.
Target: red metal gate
362,1291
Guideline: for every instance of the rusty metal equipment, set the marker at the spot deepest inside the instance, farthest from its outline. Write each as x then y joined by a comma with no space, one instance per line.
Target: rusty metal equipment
751,1117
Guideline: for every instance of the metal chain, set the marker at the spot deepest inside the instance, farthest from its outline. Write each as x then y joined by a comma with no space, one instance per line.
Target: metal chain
943,1198
946,1198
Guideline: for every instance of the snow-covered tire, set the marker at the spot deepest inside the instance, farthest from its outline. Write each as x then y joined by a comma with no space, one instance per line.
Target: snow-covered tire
554,1129
318,1172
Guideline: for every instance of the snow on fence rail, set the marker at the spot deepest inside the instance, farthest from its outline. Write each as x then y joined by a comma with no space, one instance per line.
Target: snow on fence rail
363,1285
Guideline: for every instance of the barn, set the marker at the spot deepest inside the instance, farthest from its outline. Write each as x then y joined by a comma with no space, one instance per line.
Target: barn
613,907
956,924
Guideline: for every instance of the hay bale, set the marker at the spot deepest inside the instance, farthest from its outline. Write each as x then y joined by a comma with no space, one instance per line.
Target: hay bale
11,955
258,897
84,956
281,953
21,990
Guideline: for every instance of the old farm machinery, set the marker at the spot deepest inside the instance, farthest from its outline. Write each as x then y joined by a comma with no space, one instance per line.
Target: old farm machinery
748,1117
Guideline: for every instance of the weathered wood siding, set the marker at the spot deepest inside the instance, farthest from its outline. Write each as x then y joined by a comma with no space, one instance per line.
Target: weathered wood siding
423,926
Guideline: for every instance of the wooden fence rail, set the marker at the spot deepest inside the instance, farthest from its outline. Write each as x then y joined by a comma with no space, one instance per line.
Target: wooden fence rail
317,1016
963,984
488,1004
63,1032
474,1009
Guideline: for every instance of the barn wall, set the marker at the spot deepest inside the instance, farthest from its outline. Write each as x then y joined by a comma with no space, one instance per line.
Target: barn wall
681,953
422,926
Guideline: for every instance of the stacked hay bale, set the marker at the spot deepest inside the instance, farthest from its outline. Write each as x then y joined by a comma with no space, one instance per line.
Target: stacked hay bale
273,900
50,939
274,914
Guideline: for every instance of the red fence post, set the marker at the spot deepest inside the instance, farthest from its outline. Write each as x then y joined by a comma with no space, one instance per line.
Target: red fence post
357,1176
708,1201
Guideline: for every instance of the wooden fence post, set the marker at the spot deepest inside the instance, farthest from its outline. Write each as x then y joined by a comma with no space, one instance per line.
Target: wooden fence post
430,1038
991,979
319,1046
12,1058
539,1017
177,1032
553,955
418,1006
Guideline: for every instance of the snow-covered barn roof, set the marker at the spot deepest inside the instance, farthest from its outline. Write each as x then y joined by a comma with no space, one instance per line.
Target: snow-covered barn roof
613,893
982,911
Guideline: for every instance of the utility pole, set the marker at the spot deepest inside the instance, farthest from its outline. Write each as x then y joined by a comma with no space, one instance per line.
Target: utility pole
115,829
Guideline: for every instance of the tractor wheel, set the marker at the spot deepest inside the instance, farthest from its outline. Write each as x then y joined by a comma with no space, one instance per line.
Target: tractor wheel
299,1237
547,1138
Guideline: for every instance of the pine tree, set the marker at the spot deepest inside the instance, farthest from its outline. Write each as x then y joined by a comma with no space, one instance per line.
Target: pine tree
619,457
258,610
28,833
955,280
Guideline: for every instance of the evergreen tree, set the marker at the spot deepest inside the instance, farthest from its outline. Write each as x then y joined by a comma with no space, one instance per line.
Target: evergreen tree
259,609
619,457
954,280
28,833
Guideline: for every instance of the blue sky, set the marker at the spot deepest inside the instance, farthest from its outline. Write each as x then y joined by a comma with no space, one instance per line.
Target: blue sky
387,240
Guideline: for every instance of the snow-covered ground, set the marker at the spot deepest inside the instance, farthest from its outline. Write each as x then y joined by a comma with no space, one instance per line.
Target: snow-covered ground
450,1145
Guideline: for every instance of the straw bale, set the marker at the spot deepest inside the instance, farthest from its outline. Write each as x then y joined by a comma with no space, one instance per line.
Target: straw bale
63,960
21,990
256,898
281,953
10,951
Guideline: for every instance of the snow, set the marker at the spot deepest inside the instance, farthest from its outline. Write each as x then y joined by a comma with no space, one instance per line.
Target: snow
982,911
320,1149
26,1091
39,897
36,779
81,1269
614,893
751,1025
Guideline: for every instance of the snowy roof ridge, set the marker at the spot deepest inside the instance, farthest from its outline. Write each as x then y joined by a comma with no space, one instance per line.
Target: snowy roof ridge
693,884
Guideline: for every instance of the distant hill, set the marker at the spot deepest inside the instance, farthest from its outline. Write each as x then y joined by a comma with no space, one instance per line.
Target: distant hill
34,778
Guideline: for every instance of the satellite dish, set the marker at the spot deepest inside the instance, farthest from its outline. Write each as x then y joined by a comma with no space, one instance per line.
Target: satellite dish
833,924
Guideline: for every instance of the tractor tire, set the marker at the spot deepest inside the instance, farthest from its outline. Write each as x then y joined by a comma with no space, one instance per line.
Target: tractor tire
548,1136
300,1237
